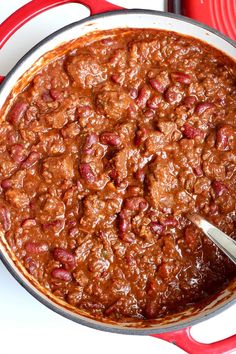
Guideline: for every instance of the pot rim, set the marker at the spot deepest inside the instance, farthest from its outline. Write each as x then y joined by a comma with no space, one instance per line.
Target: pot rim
93,323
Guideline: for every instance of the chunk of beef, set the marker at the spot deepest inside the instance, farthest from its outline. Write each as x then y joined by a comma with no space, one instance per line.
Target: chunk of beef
17,198
52,209
114,104
58,168
85,70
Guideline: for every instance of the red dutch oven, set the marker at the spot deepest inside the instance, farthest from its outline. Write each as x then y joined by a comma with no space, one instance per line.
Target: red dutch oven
175,328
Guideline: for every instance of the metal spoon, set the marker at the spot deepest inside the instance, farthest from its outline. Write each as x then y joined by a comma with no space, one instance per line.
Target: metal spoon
223,241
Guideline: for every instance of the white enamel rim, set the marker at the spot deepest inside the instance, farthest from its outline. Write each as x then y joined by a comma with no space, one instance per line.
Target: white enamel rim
112,20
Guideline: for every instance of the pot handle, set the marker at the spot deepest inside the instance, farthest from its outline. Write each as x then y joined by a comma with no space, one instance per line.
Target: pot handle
183,339
35,7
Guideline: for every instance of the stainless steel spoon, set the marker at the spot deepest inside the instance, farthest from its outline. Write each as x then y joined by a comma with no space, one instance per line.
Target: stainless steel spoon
223,241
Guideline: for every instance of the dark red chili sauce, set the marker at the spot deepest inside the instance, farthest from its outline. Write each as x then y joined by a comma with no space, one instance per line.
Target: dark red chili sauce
102,156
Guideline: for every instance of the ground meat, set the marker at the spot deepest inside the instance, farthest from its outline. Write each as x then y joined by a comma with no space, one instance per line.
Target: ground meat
103,154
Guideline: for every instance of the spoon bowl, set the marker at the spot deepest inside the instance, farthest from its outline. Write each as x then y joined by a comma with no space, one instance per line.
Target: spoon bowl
220,239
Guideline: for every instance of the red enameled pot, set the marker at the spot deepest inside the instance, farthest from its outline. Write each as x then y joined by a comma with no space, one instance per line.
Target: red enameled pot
174,328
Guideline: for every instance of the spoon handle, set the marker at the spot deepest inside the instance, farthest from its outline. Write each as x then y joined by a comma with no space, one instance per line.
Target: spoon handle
223,241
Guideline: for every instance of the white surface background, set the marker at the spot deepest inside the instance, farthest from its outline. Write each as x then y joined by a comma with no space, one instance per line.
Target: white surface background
28,327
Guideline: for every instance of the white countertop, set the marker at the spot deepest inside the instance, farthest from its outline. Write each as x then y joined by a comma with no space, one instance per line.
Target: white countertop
26,326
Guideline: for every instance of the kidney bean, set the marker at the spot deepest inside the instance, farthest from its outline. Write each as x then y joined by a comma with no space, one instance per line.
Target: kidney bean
157,85
198,171
181,77
191,132
133,93
55,93
169,222
12,137
140,136
153,102
5,218
117,78
223,136
156,227
6,184
86,172
132,109
17,153
113,174
203,106
123,221
28,223
189,101
110,138
31,160
135,203
61,274
90,141
219,188
65,257
151,309
17,112
143,97
149,113
36,247
140,175
172,95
